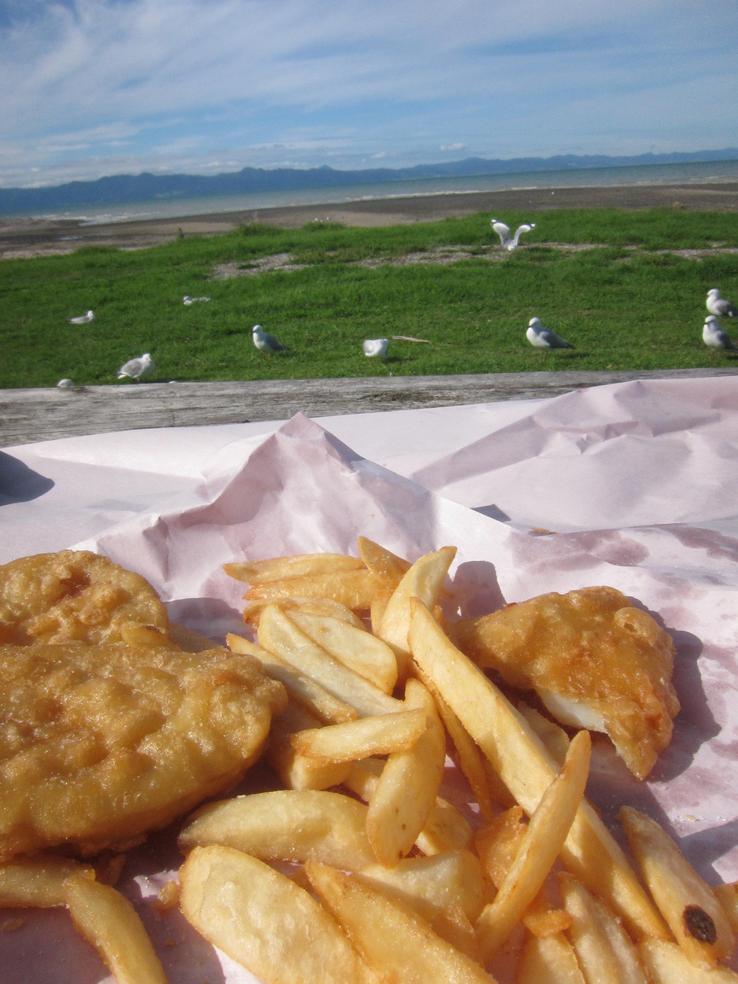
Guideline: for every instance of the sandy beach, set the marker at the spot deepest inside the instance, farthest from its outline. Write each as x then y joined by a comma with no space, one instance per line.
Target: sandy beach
21,237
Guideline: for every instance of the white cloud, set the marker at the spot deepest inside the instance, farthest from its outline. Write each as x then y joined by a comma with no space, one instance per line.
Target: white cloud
255,81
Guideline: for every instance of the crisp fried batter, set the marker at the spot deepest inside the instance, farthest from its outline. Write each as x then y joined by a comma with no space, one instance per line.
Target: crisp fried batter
73,596
593,659
101,744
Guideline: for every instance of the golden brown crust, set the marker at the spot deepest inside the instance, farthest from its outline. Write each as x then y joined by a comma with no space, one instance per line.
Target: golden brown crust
73,596
591,647
101,744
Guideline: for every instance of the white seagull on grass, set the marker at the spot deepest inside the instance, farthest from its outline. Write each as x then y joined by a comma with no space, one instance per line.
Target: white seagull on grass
136,368
717,305
713,335
264,341
541,337
375,348
194,300
83,319
507,240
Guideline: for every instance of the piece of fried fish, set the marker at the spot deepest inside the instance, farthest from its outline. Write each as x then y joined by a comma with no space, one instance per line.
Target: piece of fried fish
73,596
593,659
101,744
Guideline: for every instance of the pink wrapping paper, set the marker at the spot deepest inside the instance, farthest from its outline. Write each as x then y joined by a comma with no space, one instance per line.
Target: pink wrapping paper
644,452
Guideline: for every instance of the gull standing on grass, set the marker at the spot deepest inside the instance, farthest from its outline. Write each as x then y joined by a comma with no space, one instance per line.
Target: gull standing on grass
718,305
375,348
507,240
541,337
83,319
136,368
264,341
193,300
713,335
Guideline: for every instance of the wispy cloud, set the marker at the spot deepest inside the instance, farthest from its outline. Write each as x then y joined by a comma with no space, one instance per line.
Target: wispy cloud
340,82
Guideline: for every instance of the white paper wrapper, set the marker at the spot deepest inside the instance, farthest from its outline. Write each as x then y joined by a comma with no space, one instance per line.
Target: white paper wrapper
659,460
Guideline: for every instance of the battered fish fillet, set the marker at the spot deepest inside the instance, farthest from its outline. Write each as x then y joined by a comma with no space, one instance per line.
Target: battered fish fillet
594,660
101,744
73,596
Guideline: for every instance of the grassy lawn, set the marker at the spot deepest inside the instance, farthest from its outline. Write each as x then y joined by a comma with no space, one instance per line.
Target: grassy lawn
629,300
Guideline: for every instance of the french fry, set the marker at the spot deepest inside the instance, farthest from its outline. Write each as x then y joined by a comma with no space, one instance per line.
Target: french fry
298,771
667,963
37,883
626,953
687,903
590,938
423,580
468,758
281,636
384,564
548,828
292,565
357,649
301,688
727,896
286,825
109,922
443,881
314,606
526,768
354,589
549,960
265,921
393,939
381,734
445,829
551,734
409,784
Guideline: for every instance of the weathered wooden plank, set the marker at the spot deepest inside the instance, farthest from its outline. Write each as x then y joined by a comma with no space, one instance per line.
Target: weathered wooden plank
30,415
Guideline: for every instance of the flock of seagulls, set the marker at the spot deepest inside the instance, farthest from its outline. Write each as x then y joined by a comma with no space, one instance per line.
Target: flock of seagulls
537,334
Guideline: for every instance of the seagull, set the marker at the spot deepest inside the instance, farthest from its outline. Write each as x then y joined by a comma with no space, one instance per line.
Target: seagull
713,335
136,368
265,342
375,347
65,384
193,300
83,319
541,337
503,231
719,306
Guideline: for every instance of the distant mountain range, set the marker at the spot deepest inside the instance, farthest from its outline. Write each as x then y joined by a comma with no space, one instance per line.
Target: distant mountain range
122,189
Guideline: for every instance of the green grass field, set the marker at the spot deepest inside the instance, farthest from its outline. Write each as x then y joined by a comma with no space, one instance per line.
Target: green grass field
627,299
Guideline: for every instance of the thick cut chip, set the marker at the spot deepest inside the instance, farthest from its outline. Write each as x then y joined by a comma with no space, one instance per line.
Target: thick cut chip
595,661
408,786
286,825
110,923
352,741
37,883
526,768
393,938
291,565
667,963
538,850
354,589
549,959
295,770
382,562
101,744
688,904
265,921
73,596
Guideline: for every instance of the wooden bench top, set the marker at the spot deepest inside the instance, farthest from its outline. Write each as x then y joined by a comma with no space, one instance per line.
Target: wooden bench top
38,414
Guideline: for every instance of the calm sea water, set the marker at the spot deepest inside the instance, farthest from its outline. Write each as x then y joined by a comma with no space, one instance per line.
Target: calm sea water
717,171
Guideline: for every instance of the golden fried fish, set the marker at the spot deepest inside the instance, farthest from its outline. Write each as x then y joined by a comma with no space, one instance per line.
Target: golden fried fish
101,744
593,659
73,596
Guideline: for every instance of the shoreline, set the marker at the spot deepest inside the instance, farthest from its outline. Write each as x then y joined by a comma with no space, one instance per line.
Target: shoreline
26,238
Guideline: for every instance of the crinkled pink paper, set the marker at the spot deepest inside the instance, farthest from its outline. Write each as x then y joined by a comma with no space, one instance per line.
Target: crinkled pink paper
635,452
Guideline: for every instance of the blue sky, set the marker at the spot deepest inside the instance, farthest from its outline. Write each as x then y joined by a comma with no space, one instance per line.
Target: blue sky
95,87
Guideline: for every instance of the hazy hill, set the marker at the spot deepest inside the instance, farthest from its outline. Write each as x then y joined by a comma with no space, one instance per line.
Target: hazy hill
122,189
